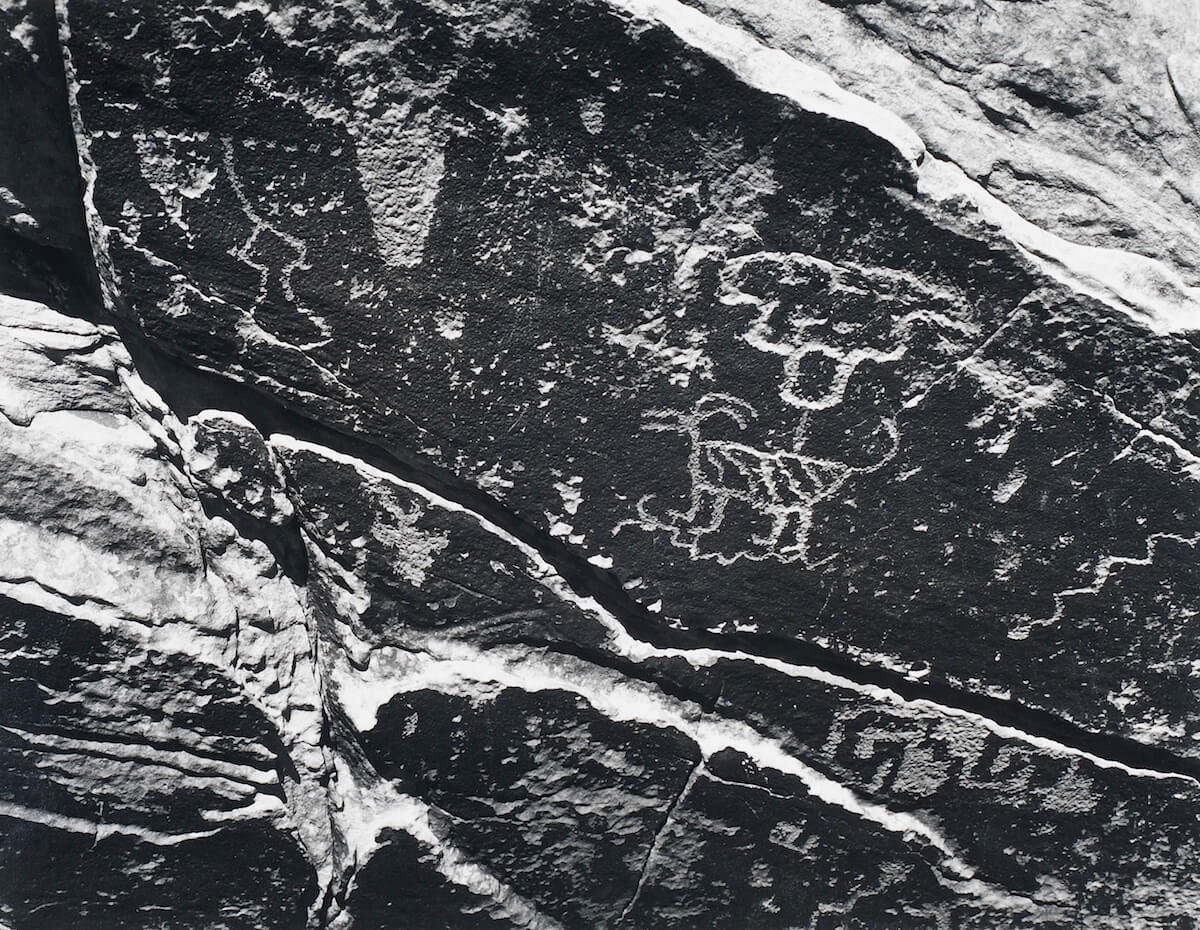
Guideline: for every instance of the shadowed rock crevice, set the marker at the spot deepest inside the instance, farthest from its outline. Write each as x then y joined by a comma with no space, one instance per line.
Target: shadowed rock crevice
189,391
530,469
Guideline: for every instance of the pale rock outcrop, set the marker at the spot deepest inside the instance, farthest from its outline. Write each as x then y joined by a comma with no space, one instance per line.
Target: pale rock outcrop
619,464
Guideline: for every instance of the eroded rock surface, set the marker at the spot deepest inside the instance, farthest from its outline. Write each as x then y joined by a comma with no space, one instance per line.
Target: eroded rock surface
607,464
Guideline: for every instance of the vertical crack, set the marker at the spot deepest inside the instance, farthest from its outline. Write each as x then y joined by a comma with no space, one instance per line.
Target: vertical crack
660,837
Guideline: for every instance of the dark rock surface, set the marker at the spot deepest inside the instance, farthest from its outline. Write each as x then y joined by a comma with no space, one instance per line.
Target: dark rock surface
606,464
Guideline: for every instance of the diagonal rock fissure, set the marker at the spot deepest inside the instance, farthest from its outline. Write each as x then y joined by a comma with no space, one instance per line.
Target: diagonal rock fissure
919,770
622,665
360,785
187,388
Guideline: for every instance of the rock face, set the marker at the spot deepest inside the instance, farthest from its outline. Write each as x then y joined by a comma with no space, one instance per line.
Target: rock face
619,463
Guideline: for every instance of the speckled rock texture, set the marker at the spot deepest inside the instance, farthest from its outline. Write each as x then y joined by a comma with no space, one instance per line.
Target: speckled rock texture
628,464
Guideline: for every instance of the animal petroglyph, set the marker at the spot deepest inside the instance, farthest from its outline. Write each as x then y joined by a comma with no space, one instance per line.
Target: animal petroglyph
773,490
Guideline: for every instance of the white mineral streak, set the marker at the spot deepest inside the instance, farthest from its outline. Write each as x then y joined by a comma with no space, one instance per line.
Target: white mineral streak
97,230
457,668
135,555
1140,287
179,759
99,830
369,809
632,648
463,670
776,72
1081,184
202,616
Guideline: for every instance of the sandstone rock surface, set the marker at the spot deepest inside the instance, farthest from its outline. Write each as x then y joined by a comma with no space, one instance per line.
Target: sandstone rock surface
619,463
